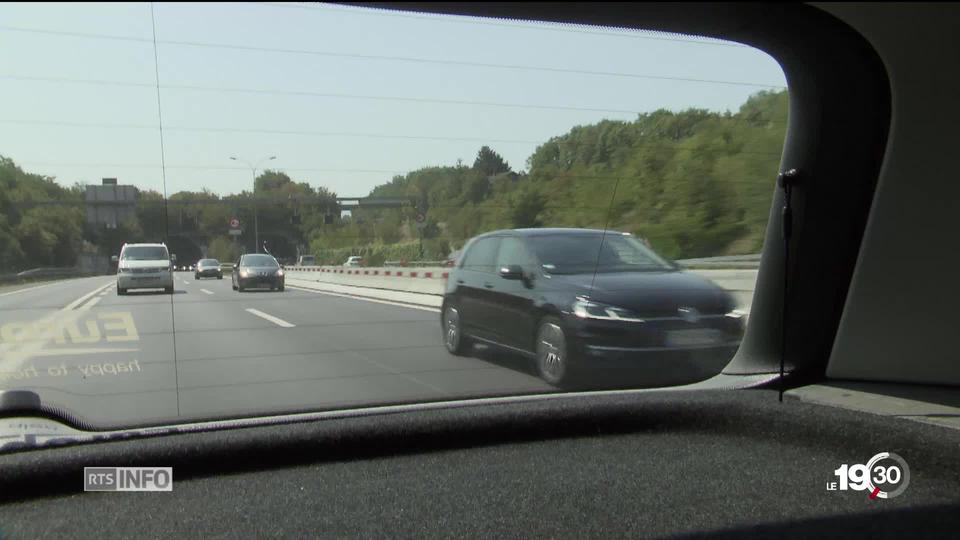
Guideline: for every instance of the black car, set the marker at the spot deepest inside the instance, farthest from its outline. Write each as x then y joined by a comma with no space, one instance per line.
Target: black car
583,302
257,271
208,268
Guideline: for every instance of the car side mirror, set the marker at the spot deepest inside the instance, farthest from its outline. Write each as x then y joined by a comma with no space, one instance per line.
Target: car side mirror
173,257
513,271
114,259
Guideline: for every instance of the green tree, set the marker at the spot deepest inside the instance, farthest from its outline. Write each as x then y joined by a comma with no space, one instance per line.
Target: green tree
489,163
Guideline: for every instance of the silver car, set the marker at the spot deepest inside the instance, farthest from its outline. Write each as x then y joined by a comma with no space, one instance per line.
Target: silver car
144,266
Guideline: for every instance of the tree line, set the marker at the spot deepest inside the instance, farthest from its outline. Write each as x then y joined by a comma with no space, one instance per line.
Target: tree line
694,183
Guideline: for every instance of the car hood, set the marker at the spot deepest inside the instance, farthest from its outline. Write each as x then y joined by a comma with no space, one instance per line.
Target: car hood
650,293
145,264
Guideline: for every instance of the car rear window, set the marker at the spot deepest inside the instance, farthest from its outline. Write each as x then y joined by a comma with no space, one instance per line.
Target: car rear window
258,260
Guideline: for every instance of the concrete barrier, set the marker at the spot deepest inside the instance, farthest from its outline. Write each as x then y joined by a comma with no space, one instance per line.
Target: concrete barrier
431,280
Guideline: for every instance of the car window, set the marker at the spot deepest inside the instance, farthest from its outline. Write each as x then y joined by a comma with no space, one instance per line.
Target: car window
259,260
481,256
591,253
144,253
513,251
337,135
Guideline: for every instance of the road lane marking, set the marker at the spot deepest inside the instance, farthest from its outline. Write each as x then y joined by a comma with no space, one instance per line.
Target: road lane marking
78,352
84,298
35,287
365,299
275,320
15,354
204,291
89,304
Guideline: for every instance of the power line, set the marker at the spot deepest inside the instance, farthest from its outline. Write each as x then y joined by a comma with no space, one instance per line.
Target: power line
532,24
332,95
99,125
409,59
207,167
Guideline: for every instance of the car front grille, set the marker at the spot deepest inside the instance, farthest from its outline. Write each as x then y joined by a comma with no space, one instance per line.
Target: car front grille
147,270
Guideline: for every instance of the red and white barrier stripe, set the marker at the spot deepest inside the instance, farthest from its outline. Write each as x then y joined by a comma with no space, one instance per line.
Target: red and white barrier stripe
379,272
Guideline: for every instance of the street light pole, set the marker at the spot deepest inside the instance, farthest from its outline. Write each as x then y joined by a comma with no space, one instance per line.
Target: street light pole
256,217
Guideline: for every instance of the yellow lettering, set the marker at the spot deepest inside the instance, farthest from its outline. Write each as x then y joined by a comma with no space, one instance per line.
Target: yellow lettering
77,337
49,330
15,331
124,322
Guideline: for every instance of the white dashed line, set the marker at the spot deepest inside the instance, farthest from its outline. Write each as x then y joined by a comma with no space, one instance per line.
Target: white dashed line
84,298
204,291
271,318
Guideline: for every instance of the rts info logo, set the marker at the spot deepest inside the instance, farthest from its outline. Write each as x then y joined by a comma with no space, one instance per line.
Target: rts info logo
885,476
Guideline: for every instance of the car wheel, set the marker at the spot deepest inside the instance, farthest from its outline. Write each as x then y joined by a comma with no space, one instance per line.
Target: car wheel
196,276
553,359
121,292
239,288
219,277
453,338
280,288
168,290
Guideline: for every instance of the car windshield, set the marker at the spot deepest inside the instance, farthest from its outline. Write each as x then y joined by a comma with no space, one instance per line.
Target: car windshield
589,253
437,188
144,253
264,261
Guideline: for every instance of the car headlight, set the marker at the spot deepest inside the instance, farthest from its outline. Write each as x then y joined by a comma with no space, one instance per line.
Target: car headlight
279,273
244,273
586,309
740,315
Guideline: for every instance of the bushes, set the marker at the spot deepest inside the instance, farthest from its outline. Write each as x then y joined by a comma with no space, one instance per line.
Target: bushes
373,255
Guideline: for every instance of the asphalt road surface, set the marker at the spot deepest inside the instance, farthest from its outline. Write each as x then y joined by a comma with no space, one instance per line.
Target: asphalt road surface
115,361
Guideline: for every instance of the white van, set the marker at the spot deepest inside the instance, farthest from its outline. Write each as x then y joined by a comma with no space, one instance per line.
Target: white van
144,266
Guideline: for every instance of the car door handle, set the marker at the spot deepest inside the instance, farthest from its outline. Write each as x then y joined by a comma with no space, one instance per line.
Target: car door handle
488,285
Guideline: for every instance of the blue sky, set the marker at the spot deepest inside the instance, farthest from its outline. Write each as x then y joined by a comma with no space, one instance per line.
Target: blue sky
63,114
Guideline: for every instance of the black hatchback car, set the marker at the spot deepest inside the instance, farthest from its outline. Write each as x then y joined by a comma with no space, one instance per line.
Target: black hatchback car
257,271
583,303
208,268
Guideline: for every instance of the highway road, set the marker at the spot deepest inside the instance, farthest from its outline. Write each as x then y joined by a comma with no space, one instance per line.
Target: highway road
116,361
209,352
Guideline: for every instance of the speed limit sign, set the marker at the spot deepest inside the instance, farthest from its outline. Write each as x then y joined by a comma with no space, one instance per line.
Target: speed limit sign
234,223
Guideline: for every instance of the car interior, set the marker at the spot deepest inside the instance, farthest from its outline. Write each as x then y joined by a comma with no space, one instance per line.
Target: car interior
849,352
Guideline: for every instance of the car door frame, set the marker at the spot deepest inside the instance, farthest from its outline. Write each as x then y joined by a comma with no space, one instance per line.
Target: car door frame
471,284
512,300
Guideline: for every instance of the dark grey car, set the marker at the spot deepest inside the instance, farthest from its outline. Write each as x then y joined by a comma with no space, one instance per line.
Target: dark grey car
257,271
208,268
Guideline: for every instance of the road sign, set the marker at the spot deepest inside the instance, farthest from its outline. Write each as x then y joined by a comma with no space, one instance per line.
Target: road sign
234,223
235,232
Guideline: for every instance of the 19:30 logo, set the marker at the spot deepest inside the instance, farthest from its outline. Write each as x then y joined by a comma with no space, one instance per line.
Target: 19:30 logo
885,476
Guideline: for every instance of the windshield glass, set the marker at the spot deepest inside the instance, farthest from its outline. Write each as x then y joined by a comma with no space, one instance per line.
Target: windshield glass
424,181
579,254
144,253
265,261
